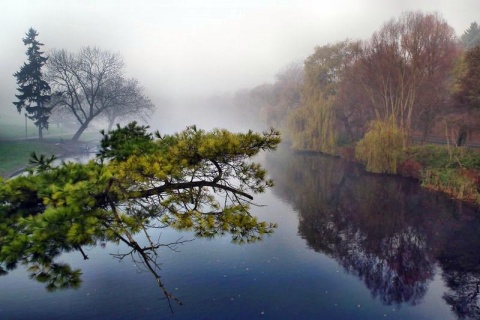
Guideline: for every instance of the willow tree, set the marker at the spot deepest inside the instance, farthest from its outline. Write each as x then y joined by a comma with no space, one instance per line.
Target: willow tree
193,180
313,124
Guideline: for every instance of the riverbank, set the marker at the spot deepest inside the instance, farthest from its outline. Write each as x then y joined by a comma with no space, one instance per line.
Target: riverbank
14,154
454,171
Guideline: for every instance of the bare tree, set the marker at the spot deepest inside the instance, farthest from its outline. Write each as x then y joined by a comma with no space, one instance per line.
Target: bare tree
131,103
90,83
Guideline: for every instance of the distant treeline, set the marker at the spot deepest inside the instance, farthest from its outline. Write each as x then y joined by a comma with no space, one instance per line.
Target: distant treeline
413,78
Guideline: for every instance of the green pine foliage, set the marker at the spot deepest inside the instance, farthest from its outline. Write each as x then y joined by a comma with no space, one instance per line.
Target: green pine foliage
123,142
193,180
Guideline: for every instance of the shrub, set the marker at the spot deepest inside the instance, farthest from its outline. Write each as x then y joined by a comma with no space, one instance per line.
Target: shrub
381,149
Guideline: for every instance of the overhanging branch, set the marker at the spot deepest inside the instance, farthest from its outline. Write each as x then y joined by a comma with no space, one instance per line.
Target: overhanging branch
185,185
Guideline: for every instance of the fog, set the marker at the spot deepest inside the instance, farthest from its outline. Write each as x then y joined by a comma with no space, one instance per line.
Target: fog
185,52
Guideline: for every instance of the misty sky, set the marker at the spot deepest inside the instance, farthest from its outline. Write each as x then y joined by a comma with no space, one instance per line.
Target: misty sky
195,46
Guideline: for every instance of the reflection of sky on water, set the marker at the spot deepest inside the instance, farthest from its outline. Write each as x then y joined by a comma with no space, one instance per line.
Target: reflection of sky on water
278,278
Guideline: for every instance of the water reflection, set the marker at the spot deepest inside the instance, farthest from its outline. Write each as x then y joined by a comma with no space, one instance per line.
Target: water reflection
387,231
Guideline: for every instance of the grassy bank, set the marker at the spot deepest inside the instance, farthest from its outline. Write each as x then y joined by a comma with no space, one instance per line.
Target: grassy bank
14,155
454,171
15,150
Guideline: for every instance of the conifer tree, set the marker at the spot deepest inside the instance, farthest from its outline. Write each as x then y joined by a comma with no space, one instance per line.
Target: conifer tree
34,91
471,36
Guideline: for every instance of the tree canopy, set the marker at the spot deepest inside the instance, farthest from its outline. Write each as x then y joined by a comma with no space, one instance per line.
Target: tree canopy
312,125
192,180
467,87
34,91
395,83
90,84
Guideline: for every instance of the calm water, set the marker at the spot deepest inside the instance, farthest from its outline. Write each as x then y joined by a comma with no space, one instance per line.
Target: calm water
349,245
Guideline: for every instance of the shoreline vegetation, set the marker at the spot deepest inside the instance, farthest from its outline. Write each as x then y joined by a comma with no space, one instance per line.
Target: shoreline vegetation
403,102
451,170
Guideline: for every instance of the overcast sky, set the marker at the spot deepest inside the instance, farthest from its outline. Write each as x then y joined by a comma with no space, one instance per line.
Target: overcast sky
194,46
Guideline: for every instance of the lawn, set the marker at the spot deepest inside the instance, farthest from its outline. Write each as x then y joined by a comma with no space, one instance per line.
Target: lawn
14,155
12,127
15,150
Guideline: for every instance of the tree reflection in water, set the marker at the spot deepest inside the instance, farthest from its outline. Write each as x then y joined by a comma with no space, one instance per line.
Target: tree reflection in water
387,231
460,261
141,248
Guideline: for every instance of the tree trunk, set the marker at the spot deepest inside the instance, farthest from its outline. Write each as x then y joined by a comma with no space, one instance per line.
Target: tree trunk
40,133
110,124
79,132
462,136
425,131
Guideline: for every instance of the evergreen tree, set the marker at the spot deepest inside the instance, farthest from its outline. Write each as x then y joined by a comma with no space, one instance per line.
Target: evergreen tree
34,91
471,36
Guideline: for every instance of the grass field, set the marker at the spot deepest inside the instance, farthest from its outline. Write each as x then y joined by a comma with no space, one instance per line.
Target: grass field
15,150
14,155
13,127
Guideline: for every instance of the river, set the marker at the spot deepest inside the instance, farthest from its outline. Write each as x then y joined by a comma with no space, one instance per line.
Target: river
349,245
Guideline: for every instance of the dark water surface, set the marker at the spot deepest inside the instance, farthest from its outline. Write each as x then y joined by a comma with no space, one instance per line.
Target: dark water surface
349,245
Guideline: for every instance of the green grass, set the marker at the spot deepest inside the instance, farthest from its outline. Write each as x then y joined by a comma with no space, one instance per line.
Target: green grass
454,171
13,127
435,156
14,155
15,150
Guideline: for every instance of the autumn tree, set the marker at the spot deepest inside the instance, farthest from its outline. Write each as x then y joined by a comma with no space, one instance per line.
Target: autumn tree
193,180
34,91
435,49
406,67
404,73
313,124
90,84
352,108
262,98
